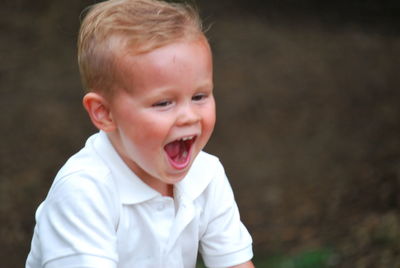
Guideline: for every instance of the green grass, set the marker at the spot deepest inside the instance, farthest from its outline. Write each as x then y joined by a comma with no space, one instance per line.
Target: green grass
308,259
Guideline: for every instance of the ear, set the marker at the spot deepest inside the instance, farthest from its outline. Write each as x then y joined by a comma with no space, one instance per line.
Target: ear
99,112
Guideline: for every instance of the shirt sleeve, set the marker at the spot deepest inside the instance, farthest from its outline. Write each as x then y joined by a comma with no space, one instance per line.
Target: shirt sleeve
226,241
76,224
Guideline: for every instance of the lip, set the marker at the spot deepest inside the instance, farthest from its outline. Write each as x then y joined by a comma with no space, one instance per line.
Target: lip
183,137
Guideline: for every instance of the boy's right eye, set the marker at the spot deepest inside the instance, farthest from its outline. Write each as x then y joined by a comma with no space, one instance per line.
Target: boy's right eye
164,103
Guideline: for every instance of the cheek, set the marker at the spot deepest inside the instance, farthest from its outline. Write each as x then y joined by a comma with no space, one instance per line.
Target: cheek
212,115
209,121
139,135
152,133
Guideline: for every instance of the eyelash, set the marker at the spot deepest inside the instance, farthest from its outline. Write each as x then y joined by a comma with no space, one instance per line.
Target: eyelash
199,97
165,103
162,104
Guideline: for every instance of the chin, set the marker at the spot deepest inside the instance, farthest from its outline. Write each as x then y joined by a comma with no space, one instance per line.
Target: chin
175,178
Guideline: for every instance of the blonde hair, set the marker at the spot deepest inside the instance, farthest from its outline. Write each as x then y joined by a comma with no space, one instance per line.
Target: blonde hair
135,25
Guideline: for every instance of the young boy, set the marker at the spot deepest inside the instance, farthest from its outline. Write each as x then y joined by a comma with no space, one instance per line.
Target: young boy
141,193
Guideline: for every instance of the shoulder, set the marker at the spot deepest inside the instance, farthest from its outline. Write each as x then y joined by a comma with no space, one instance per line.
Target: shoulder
86,161
83,189
205,174
80,170
206,162
209,166
81,211
84,174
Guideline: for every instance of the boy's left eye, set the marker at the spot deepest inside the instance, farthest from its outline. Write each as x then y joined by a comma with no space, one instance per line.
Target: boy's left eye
199,97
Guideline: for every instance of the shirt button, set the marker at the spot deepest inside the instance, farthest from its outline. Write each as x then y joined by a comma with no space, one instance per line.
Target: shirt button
160,207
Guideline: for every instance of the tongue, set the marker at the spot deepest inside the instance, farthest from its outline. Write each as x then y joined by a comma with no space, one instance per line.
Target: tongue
177,151
173,149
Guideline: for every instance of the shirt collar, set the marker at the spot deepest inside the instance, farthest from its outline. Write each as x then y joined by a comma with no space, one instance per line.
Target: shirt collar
131,188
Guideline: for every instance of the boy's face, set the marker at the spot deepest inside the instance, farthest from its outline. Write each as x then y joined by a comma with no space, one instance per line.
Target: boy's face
165,114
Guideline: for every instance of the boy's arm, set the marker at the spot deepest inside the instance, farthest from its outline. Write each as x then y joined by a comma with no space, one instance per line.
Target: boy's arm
248,264
225,242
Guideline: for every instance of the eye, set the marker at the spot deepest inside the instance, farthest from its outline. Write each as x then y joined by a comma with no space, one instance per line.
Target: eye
199,97
163,103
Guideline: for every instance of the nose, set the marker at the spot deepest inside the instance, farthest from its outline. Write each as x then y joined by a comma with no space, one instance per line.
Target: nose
188,115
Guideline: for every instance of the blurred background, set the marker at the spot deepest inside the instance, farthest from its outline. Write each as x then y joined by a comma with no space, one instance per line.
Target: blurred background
308,122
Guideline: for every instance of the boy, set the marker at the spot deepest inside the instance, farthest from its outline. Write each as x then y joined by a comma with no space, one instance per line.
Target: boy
141,193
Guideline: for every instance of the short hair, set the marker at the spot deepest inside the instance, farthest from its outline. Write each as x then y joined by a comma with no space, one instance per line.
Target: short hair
138,26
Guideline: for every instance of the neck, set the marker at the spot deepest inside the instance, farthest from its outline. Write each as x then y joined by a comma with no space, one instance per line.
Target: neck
169,191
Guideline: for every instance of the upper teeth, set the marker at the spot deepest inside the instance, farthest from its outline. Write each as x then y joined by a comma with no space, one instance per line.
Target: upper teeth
187,138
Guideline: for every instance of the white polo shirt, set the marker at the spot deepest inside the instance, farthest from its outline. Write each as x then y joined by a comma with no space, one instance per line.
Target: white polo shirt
98,213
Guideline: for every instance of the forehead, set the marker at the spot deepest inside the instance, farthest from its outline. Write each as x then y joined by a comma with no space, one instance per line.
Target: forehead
178,60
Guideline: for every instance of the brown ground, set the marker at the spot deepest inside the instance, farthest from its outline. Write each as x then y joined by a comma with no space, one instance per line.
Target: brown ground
308,123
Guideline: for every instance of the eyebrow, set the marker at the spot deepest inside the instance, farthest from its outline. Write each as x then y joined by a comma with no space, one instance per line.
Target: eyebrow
205,85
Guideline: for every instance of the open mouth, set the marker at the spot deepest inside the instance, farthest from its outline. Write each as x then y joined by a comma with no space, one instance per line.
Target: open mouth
178,151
